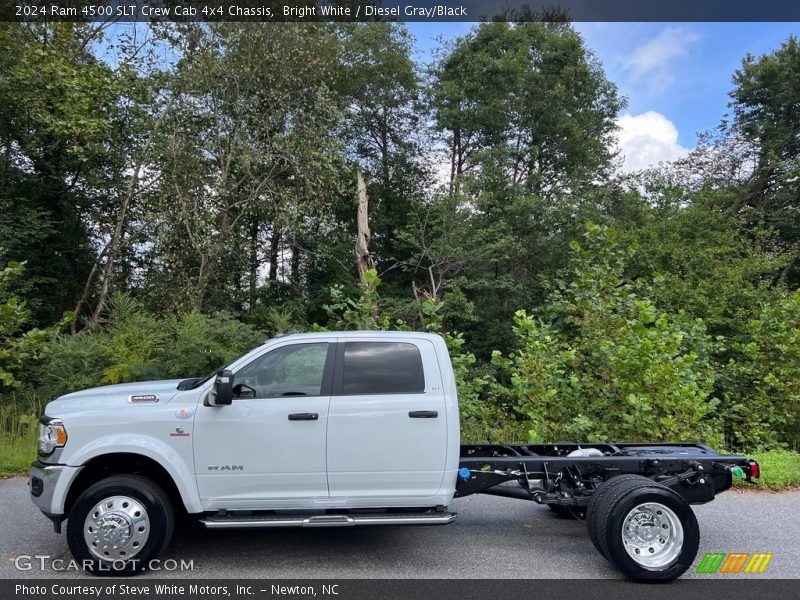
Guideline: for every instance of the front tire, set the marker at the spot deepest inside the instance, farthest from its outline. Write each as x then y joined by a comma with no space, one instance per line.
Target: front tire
647,530
118,525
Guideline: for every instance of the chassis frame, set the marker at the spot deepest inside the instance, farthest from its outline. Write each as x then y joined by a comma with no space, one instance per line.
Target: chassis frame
547,474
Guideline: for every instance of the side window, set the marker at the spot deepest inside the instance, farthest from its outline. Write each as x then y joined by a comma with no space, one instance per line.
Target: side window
382,368
288,371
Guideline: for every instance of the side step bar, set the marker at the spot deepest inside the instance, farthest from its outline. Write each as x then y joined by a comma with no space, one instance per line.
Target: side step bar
328,520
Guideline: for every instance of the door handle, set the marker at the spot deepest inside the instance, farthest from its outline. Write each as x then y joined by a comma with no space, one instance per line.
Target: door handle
423,414
303,416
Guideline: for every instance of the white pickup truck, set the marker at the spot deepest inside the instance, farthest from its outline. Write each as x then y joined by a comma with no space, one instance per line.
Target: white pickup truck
342,429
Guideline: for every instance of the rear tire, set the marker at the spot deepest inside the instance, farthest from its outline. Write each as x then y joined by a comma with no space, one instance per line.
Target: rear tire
603,492
647,530
119,524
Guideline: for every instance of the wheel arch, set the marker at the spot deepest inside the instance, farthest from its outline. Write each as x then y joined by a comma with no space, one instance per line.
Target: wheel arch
108,464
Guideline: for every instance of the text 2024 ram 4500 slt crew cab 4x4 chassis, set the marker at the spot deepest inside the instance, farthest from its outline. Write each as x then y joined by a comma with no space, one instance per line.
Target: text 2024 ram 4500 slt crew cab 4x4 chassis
342,429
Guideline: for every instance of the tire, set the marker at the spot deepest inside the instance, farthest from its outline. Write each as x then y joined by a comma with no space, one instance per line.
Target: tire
118,525
565,512
646,530
604,491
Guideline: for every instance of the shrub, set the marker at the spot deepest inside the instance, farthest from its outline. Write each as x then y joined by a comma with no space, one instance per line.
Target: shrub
600,362
131,344
18,348
761,383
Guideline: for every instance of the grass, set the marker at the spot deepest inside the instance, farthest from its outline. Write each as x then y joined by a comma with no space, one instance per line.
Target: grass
780,470
17,452
18,423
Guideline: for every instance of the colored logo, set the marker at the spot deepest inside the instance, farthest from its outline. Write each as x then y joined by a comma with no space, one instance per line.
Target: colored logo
184,413
734,562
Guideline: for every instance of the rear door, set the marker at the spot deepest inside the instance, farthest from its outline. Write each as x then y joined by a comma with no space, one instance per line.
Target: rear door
387,433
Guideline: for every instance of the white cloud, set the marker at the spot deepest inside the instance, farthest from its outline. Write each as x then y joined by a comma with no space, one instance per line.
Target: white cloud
654,61
645,140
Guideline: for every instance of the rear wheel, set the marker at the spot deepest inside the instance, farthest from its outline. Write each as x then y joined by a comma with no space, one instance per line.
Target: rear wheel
646,530
603,492
119,524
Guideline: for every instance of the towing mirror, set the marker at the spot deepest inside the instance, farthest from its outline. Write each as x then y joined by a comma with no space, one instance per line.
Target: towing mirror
222,394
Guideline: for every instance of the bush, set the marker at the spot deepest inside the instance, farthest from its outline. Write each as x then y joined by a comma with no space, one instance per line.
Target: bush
131,344
18,348
761,382
600,362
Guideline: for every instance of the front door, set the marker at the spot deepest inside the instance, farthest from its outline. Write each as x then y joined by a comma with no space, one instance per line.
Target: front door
267,450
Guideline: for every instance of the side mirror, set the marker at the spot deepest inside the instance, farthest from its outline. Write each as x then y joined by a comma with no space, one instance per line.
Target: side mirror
222,394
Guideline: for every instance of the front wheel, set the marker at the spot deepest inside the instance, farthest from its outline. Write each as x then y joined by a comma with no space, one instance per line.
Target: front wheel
119,524
647,531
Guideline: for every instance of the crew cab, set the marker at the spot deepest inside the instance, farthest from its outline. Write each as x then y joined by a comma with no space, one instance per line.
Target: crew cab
342,429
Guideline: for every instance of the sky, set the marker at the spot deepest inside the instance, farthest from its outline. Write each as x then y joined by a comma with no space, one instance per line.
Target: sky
675,76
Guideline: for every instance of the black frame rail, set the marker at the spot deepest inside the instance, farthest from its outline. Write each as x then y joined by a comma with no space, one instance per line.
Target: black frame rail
566,474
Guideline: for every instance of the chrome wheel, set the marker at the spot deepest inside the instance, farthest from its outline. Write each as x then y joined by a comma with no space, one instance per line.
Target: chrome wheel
652,535
116,528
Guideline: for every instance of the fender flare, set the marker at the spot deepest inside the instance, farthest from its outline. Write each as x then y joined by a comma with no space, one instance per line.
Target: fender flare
181,473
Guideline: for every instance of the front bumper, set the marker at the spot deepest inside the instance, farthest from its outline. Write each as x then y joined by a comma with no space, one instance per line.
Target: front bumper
49,485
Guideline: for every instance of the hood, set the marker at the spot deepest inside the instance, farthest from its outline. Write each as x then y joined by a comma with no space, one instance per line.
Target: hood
109,395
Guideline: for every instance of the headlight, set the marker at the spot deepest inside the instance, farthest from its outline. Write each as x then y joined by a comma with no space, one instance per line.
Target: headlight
52,435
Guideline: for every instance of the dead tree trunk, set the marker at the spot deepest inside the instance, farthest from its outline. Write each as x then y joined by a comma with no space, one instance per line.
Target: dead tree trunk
364,261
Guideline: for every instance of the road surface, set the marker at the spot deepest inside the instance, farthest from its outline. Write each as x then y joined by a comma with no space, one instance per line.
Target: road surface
492,538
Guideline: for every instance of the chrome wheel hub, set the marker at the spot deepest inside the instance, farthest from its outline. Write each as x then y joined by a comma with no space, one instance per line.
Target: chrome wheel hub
652,535
116,528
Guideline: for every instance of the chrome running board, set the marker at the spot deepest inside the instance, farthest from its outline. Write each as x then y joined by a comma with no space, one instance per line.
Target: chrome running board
256,521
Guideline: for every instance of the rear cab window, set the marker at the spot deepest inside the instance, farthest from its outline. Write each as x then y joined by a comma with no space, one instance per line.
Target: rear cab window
381,368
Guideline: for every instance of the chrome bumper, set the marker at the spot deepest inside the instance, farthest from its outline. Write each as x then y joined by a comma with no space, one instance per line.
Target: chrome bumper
49,485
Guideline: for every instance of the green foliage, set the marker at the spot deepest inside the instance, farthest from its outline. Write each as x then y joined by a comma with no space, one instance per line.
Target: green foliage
761,382
780,470
18,348
357,313
601,362
132,344
764,102
58,111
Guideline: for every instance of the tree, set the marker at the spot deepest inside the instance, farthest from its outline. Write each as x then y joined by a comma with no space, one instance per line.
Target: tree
385,131
545,122
58,103
766,110
527,155
244,144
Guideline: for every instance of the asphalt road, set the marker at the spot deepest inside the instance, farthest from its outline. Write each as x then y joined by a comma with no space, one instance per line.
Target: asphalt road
492,538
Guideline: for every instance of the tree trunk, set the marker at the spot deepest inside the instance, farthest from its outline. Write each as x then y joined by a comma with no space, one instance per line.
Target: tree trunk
364,261
274,246
294,277
254,262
